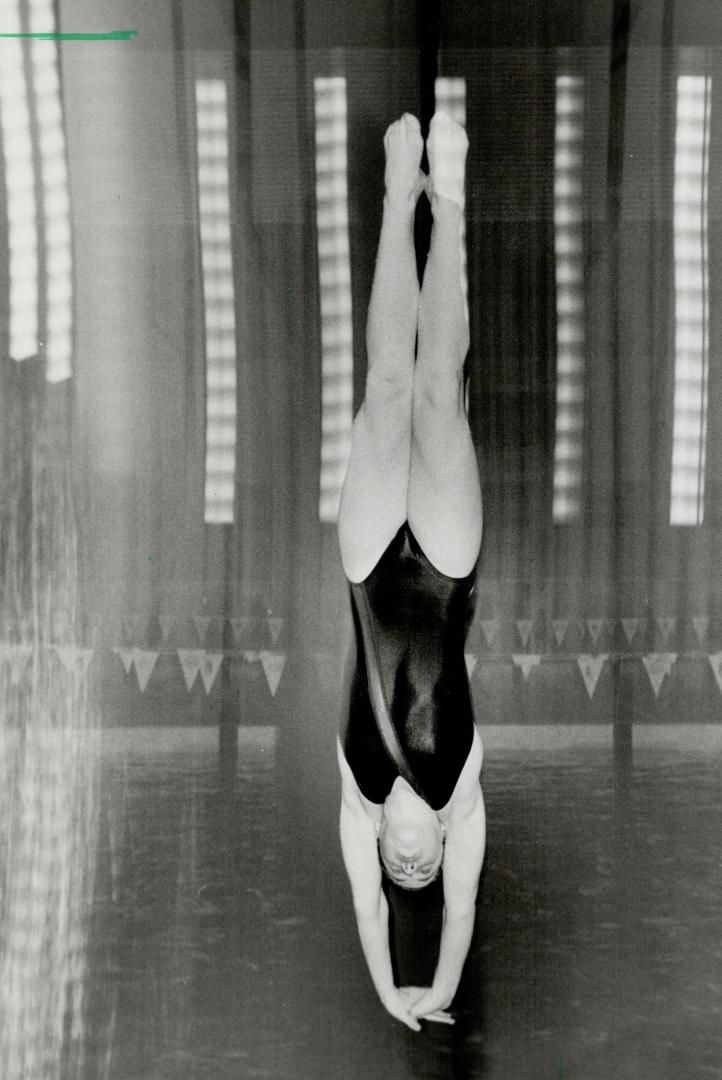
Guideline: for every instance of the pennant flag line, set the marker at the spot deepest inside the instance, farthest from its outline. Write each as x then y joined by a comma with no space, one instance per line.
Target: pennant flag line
190,662
591,669
167,623
715,660
275,626
594,628
209,669
126,656
630,628
144,661
701,626
490,628
471,661
524,627
559,626
273,665
527,662
75,659
658,665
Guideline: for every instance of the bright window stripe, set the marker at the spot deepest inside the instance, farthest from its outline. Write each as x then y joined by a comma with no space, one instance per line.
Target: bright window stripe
568,250
691,284
219,300
17,152
335,291
56,201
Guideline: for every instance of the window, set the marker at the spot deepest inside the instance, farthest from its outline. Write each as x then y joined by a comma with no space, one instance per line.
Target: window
691,287
218,299
568,251
334,271
36,185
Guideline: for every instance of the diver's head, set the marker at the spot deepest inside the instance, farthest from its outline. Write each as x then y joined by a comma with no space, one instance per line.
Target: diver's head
411,839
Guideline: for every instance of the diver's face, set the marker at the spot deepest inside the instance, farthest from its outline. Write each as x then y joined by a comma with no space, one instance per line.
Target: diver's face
411,841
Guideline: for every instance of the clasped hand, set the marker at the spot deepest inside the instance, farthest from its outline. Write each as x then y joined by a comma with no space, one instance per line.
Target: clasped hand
409,1004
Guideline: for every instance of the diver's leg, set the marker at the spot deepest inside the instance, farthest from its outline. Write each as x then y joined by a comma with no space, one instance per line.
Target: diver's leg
444,498
374,497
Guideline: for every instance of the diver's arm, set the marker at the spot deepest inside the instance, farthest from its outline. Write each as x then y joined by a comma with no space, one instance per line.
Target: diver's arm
358,845
463,859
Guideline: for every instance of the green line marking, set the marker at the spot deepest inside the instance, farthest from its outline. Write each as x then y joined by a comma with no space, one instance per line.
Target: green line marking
112,35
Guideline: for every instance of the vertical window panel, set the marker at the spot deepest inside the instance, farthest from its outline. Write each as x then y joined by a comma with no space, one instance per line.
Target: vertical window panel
691,286
334,270
55,197
218,300
569,261
17,150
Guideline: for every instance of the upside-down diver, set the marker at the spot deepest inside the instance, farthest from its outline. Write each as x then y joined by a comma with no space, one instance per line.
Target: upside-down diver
410,526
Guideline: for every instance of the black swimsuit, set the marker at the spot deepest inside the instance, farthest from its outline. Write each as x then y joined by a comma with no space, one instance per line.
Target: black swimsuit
419,619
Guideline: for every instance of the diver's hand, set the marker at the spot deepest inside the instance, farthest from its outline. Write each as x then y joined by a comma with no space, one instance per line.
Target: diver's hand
430,1003
396,1003
421,1003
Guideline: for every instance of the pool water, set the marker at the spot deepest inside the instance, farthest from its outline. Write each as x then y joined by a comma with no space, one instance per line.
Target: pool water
222,942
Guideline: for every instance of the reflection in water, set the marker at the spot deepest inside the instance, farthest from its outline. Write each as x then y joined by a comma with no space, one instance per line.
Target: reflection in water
48,792
218,952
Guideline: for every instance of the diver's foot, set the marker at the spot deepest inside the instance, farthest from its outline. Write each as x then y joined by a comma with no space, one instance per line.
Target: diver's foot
403,177
446,147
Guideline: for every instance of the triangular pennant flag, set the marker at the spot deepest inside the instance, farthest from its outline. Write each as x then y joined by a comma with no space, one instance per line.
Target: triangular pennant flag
591,668
470,664
273,665
526,662
328,668
715,660
524,626
166,625
132,626
594,628
559,626
126,656
275,626
251,655
75,660
490,628
190,662
18,657
630,628
209,669
667,625
144,662
658,665
701,626
201,623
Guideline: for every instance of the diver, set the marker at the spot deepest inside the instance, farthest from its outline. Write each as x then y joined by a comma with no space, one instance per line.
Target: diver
410,526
